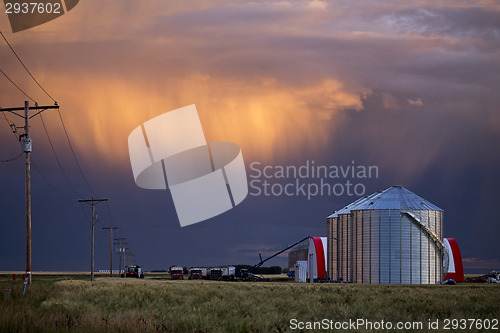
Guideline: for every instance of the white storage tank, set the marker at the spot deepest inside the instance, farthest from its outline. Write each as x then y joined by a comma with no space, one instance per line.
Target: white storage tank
301,271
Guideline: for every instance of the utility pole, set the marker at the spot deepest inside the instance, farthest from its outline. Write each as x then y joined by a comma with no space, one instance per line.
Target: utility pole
92,202
120,250
124,256
130,255
111,249
26,143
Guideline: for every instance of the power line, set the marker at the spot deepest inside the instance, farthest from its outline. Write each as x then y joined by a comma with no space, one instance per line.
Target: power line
6,119
46,180
73,152
10,125
15,85
109,214
34,165
21,90
60,116
32,162
27,70
57,159
13,158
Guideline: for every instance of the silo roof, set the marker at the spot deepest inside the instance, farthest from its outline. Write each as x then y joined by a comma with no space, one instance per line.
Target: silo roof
347,209
395,197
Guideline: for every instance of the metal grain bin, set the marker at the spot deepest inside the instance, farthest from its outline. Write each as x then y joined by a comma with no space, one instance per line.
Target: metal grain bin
298,253
393,236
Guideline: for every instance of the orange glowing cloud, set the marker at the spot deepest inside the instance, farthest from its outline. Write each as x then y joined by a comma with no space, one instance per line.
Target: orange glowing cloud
266,118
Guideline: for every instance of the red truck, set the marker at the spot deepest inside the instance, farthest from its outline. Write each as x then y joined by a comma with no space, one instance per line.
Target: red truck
176,273
134,271
195,274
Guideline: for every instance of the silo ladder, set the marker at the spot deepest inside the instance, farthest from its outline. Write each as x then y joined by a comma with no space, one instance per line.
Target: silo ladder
432,235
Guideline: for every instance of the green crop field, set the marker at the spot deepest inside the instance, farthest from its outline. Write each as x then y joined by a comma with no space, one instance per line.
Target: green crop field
62,303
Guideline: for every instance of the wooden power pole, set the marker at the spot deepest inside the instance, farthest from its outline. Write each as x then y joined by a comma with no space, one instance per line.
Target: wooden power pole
120,250
92,202
26,143
130,261
124,256
111,249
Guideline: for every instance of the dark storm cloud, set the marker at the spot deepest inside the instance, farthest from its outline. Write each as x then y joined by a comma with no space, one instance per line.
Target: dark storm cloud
445,46
473,22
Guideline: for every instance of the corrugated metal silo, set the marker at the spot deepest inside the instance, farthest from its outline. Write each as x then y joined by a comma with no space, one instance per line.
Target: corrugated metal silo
298,253
393,236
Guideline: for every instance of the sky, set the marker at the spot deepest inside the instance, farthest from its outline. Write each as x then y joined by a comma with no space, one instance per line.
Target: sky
410,87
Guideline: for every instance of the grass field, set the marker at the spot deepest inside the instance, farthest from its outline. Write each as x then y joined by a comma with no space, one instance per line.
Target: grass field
69,302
